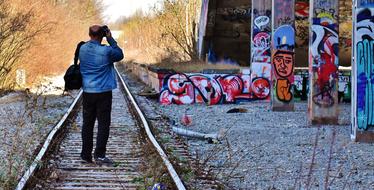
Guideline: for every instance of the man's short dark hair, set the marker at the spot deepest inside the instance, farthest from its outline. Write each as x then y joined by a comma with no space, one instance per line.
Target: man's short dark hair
96,33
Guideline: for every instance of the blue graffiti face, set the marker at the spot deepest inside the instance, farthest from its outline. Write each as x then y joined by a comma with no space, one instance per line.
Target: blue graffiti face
284,38
366,3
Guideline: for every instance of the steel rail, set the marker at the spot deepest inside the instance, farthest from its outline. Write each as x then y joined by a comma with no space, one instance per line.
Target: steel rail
51,136
178,182
30,172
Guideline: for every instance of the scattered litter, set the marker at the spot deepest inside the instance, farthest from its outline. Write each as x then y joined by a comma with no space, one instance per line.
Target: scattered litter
54,175
238,110
186,120
211,138
158,186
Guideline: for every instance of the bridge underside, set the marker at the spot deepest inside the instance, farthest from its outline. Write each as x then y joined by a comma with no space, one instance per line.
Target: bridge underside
225,34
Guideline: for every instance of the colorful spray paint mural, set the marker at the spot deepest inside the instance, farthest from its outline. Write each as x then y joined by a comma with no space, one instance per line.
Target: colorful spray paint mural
324,62
261,40
301,85
212,89
283,55
363,106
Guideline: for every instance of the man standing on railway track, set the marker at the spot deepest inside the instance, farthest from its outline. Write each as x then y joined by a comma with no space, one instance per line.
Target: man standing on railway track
98,81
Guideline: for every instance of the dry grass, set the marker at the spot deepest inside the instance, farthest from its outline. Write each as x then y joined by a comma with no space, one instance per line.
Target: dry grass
20,138
166,32
193,66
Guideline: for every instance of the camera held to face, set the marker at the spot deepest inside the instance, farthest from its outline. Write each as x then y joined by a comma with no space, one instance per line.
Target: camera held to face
105,30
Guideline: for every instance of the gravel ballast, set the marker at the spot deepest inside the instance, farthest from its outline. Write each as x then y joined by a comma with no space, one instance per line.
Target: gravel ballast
262,149
26,118
275,149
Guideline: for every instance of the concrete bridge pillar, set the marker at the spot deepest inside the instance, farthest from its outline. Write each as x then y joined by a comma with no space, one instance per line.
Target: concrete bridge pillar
323,61
363,71
283,54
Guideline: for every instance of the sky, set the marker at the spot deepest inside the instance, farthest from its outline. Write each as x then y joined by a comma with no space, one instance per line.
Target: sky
114,9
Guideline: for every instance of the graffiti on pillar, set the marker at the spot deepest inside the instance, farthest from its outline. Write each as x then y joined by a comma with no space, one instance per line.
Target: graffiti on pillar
211,18
324,62
212,89
283,63
324,55
284,13
301,10
302,23
261,36
365,67
284,38
366,3
235,14
301,85
283,55
260,47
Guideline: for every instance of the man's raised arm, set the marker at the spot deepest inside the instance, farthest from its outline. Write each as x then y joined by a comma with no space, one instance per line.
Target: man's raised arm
116,53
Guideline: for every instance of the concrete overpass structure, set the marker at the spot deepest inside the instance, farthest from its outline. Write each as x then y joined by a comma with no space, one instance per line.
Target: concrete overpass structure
225,31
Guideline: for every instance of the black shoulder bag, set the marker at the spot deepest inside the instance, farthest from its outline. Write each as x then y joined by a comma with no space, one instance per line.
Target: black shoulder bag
73,76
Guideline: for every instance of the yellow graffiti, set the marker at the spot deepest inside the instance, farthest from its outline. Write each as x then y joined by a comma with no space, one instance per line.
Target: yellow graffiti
326,15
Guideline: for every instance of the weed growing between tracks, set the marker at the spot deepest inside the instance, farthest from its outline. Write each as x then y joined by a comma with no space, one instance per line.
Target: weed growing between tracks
153,170
171,144
309,179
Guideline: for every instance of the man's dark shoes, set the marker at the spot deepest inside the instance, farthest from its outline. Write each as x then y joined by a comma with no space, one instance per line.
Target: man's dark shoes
86,160
105,160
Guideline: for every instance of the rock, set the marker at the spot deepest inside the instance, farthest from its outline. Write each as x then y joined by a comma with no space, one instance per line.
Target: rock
237,110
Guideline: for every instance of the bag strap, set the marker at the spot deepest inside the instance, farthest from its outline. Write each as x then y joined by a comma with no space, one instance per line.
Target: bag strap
76,55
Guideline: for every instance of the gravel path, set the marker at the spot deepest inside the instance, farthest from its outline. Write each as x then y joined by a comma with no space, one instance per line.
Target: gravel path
276,150
25,120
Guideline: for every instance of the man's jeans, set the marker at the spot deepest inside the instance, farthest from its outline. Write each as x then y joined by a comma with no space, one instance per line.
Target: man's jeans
96,105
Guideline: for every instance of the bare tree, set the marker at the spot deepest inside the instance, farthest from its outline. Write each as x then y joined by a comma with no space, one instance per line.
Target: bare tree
177,19
15,38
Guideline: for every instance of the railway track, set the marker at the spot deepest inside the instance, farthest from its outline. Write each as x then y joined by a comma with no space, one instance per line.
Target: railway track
63,146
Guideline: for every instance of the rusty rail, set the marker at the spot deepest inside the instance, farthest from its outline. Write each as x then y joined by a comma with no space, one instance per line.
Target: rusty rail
32,170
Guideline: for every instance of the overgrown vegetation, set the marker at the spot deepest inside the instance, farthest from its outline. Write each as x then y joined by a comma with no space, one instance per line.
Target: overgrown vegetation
22,131
40,36
169,31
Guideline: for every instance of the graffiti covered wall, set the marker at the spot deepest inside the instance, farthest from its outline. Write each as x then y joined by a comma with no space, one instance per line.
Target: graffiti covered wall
283,55
324,62
301,85
211,89
261,40
364,66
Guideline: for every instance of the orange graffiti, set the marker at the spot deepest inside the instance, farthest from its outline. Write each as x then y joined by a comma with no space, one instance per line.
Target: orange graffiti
284,90
283,62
